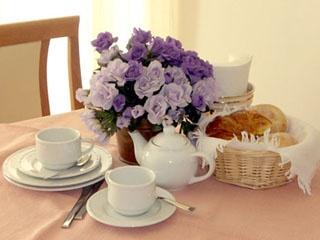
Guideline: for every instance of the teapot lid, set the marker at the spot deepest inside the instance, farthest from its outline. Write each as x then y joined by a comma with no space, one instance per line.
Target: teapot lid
170,139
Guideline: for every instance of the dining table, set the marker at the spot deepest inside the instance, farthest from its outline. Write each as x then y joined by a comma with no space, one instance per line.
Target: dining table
223,211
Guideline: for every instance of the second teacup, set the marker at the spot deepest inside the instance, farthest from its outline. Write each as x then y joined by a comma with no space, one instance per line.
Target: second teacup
60,148
131,189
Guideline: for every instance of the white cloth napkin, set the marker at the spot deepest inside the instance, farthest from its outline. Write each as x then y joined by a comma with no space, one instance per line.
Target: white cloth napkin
304,156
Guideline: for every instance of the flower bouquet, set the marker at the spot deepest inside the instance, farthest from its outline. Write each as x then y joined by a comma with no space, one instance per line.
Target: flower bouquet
155,80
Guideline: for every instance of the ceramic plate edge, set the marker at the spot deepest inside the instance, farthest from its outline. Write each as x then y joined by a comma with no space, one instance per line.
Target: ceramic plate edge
53,189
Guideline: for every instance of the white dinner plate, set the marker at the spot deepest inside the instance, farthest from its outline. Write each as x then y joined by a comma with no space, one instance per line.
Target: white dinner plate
99,209
55,189
13,175
30,166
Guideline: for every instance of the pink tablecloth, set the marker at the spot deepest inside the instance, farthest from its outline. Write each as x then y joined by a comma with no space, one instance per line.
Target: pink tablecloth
224,212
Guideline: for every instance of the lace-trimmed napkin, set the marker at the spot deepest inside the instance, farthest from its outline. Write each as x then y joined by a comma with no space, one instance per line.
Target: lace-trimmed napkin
304,156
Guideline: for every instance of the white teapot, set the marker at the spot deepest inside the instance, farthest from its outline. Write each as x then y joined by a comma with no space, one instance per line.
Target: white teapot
172,157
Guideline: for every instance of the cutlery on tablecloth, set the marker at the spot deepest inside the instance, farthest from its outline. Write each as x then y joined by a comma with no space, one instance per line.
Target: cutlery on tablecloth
83,210
85,194
178,204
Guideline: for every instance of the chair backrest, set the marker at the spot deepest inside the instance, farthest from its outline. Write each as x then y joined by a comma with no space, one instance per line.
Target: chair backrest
31,41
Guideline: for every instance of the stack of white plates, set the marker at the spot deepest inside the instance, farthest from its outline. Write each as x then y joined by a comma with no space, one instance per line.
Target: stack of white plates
235,102
24,170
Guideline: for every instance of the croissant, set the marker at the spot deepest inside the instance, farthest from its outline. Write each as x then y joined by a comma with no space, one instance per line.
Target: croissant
275,115
226,127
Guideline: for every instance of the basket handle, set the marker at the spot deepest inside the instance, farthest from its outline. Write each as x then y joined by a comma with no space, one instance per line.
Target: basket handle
205,159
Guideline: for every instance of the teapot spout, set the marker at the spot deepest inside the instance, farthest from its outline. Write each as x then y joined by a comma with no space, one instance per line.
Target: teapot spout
139,143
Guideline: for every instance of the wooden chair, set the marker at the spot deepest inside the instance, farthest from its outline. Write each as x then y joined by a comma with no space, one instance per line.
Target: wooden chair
28,36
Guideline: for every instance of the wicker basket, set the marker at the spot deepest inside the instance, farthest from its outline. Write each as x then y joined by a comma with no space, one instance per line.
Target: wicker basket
251,169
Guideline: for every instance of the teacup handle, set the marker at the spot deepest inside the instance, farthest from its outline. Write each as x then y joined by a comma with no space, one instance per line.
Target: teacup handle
209,161
89,149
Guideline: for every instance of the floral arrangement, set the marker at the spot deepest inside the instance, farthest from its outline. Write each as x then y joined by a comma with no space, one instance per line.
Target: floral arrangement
154,79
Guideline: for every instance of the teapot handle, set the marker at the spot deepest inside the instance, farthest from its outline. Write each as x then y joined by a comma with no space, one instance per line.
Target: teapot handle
206,159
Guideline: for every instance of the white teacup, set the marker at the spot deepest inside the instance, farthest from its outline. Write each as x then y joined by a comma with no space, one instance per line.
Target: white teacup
232,75
131,189
60,148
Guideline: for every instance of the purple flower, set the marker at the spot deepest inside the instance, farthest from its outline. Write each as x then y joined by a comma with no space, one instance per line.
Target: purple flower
173,41
198,102
171,53
150,81
102,95
122,122
137,111
103,41
127,113
156,46
195,67
155,72
82,95
156,107
174,95
119,102
176,75
140,36
168,77
108,54
136,52
203,93
93,124
134,71
176,115
116,70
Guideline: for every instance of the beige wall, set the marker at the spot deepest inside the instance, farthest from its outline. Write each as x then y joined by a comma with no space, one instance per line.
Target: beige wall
282,35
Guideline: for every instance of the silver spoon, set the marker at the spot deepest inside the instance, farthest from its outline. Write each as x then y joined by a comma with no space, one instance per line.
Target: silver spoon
83,160
178,204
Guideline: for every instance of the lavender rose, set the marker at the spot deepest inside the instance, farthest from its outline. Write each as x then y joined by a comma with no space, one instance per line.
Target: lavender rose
107,55
119,102
116,70
122,122
176,75
134,71
82,95
174,95
103,95
100,77
203,93
156,107
103,41
137,111
94,125
150,81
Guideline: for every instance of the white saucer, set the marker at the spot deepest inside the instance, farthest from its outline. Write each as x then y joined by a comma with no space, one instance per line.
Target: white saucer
30,166
14,176
99,209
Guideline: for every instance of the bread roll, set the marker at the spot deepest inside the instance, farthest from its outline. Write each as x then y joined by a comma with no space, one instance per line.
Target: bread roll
227,126
285,139
275,115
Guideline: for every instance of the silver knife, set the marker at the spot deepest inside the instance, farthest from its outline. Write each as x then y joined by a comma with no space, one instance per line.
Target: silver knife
85,194
83,210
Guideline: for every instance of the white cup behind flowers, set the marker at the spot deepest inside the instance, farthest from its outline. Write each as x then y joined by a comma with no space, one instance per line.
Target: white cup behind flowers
231,75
